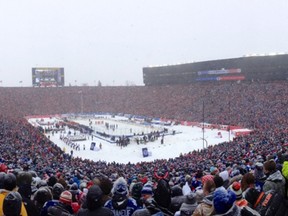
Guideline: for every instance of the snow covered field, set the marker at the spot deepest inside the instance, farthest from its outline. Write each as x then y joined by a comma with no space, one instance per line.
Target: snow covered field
186,139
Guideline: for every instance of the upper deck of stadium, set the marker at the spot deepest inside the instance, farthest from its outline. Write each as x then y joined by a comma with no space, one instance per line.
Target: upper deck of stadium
250,68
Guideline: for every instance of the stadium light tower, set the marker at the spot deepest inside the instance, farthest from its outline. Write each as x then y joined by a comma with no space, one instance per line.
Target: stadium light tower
203,118
81,100
229,131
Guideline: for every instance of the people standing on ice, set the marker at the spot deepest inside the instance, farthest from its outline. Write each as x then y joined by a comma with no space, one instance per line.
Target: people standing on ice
162,139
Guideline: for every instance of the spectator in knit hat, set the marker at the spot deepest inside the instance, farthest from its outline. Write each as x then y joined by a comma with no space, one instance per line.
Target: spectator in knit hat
136,193
151,207
93,202
74,190
63,206
241,202
236,188
188,207
12,204
224,203
147,199
121,204
259,175
204,179
56,192
214,170
206,206
147,191
9,184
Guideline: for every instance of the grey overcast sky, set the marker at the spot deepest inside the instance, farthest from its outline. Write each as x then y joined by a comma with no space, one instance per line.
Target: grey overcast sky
112,40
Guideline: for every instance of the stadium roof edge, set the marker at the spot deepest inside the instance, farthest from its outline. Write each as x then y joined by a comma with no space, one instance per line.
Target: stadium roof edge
244,56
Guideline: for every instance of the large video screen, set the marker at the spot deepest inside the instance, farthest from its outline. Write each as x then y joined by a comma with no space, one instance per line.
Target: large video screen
48,77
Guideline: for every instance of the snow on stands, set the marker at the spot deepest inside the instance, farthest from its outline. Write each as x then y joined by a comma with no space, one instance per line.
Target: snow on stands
97,137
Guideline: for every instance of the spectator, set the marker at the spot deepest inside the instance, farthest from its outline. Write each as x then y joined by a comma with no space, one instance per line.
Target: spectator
56,192
206,206
236,188
275,180
120,202
42,195
24,180
189,205
9,185
94,206
63,207
177,198
224,203
12,204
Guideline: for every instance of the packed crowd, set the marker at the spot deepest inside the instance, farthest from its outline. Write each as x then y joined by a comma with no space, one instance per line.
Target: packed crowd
252,105
231,177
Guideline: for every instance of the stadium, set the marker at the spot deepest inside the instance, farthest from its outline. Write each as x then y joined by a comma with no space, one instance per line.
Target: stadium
247,92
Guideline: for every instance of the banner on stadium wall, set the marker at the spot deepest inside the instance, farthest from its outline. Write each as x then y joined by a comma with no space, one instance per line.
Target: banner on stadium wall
188,123
235,127
217,72
231,78
241,132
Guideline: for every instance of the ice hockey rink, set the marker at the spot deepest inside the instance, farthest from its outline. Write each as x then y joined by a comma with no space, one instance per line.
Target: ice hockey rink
177,140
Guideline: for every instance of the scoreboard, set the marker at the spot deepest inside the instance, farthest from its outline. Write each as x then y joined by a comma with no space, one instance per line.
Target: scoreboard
48,77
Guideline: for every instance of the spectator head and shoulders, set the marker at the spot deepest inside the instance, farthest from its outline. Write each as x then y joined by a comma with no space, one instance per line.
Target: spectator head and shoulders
224,203
9,185
205,207
177,198
12,204
247,182
285,167
94,203
189,205
162,193
63,206
57,189
136,192
121,203
275,180
236,189
106,186
24,184
10,182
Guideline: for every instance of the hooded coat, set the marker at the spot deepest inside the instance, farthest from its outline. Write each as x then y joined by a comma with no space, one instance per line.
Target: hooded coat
206,207
276,182
121,204
233,211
